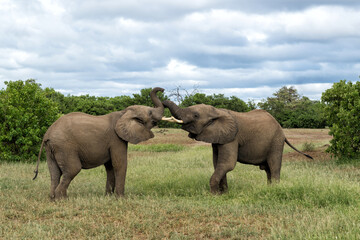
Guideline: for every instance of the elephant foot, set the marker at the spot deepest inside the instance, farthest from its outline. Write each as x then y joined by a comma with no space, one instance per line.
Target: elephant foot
52,197
217,190
223,189
109,192
217,193
119,195
57,198
59,195
223,185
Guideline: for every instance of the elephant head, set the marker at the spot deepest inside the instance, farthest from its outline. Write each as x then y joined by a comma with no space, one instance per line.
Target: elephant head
136,122
205,123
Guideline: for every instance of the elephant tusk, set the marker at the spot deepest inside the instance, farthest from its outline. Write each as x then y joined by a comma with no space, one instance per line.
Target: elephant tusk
172,119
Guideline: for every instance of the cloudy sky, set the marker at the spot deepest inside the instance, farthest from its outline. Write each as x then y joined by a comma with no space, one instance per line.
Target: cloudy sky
244,48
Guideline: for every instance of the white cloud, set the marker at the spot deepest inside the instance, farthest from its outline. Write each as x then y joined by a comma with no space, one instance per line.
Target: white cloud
321,23
52,7
116,47
181,69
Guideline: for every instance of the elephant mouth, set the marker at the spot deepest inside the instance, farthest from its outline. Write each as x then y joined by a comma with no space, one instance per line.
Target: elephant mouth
192,135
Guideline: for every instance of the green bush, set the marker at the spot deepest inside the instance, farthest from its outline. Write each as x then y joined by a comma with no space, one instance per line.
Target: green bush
342,108
216,100
308,147
25,115
293,111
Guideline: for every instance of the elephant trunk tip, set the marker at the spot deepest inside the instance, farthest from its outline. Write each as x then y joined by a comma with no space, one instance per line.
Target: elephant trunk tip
175,110
158,89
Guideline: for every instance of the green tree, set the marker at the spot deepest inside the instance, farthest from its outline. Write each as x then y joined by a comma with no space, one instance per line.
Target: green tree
293,111
25,115
56,97
342,108
216,100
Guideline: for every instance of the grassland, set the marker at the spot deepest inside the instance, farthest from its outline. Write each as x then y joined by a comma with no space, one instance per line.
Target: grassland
167,197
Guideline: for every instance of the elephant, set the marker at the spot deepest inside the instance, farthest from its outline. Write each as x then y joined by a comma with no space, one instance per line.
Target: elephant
80,141
253,137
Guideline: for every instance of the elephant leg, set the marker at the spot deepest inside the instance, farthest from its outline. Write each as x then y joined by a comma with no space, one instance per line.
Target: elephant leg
223,187
70,166
110,178
119,162
266,168
274,161
55,173
225,162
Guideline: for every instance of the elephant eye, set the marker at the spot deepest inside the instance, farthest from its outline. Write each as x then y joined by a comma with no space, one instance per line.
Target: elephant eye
196,115
139,120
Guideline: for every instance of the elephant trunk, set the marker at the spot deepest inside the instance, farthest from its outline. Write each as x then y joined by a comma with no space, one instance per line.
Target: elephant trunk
159,107
175,110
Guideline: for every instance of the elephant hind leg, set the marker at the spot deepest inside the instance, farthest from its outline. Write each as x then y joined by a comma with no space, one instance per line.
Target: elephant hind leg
55,173
266,168
70,166
223,186
274,161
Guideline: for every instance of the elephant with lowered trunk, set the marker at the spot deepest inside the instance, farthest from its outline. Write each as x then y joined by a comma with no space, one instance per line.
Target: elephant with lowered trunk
80,141
253,137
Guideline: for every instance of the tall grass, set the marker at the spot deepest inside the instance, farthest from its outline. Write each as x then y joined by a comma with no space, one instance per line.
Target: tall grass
167,197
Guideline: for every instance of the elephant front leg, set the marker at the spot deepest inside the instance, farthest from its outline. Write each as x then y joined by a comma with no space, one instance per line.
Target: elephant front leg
223,187
119,162
120,176
224,159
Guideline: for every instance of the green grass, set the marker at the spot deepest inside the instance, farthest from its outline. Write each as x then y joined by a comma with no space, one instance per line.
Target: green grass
156,148
167,197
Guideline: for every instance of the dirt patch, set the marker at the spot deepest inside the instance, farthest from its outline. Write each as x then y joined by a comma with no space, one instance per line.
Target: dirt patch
318,154
299,136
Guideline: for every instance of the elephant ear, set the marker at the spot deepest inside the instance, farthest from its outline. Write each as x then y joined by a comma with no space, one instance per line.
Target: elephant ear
220,129
130,128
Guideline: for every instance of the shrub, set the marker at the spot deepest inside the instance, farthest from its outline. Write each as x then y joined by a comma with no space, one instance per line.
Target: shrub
293,111
342,108
25,115
308,147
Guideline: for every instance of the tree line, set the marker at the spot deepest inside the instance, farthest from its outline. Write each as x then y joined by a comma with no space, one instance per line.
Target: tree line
287,106
27,110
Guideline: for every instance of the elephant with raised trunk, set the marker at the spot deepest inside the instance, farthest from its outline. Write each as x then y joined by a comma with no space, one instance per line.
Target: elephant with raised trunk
80,141
253,137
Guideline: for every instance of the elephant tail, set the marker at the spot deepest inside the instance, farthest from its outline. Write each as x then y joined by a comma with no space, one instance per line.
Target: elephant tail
306,155
38,161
